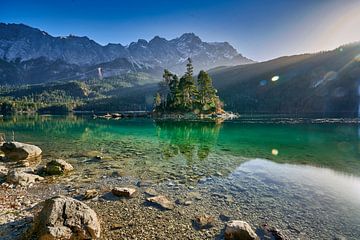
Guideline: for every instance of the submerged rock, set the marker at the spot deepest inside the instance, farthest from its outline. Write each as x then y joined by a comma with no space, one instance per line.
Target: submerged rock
124,192
161,201
239,230
58,167
22,176
151,192
90,194
272,233
20,151
204,221
66,218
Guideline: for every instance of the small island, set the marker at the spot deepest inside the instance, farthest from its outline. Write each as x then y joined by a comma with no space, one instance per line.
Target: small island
185,98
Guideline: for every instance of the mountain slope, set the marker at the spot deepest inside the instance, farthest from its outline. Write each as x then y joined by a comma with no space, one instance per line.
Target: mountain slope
323,83
20,43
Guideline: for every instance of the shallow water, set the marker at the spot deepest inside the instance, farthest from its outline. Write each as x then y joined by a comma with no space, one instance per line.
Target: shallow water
309,184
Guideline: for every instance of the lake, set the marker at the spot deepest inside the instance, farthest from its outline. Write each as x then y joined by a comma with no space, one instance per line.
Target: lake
301,175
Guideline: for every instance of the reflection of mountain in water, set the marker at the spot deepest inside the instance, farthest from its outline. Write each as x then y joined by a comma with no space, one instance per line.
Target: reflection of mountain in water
191,139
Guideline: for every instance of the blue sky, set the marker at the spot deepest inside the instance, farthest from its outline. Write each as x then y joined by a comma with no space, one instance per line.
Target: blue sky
259,29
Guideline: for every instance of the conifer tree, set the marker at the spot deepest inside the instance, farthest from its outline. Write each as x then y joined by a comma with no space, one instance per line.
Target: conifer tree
174,97
207,93
164,87
188,87
184,95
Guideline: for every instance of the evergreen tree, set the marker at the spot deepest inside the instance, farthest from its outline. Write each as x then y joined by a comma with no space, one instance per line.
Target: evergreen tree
207,97
164,87
184,95
188,87
174,97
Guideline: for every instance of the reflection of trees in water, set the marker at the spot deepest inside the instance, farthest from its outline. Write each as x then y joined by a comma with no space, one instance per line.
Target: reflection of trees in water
187,138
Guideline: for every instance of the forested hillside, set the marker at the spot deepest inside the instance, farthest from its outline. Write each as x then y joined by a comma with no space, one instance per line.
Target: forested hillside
325,83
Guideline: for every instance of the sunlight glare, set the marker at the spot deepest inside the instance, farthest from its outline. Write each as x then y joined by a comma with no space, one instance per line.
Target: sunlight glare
275,152
275,78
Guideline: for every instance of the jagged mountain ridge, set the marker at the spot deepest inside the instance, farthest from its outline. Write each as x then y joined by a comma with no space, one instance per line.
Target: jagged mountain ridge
19,42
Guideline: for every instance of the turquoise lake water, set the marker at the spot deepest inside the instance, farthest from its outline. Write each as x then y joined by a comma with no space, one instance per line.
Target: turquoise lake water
300,171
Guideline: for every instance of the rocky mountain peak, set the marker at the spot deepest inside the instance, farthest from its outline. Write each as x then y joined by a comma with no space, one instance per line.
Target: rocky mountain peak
24,43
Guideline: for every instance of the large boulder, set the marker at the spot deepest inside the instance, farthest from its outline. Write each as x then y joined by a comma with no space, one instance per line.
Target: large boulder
20,151
66,218
22,176
58,167
239,230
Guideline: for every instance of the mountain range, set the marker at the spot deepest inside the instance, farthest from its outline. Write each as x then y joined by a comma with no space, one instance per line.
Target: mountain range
29,55
322,84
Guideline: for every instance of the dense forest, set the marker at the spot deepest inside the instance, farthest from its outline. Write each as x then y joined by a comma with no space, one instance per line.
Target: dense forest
64,97
186,95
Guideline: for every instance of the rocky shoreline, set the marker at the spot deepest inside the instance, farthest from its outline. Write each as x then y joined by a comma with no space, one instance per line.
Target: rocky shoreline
32,195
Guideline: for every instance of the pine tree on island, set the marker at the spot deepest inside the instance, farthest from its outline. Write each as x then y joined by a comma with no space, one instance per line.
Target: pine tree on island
184,95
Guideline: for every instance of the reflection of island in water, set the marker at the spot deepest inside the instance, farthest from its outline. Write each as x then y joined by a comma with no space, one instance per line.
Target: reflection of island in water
191,139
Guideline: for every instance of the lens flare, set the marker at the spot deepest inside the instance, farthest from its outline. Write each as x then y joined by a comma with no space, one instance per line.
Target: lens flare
275,78
275,152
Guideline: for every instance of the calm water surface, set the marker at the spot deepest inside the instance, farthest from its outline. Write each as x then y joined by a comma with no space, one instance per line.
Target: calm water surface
300,176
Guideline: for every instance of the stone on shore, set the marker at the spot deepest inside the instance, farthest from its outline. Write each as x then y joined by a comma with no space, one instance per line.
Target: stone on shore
58,167
151,192
66,218
22,176
239,230
161,201
3,171
17,151
90,194
204,221
124,192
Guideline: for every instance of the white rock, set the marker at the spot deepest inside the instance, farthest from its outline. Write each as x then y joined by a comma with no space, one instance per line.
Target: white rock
22,176
162,201
66,218
20,151
239,230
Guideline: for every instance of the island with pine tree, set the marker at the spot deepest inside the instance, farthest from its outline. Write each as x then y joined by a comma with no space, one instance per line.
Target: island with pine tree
186,98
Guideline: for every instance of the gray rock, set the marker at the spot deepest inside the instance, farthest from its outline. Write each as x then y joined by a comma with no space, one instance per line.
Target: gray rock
124,192
3,171
151,192
161,201
66,218
22,176
58,167
239,230
20,151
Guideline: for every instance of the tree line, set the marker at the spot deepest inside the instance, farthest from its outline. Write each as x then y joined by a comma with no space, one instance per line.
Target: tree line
186,95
